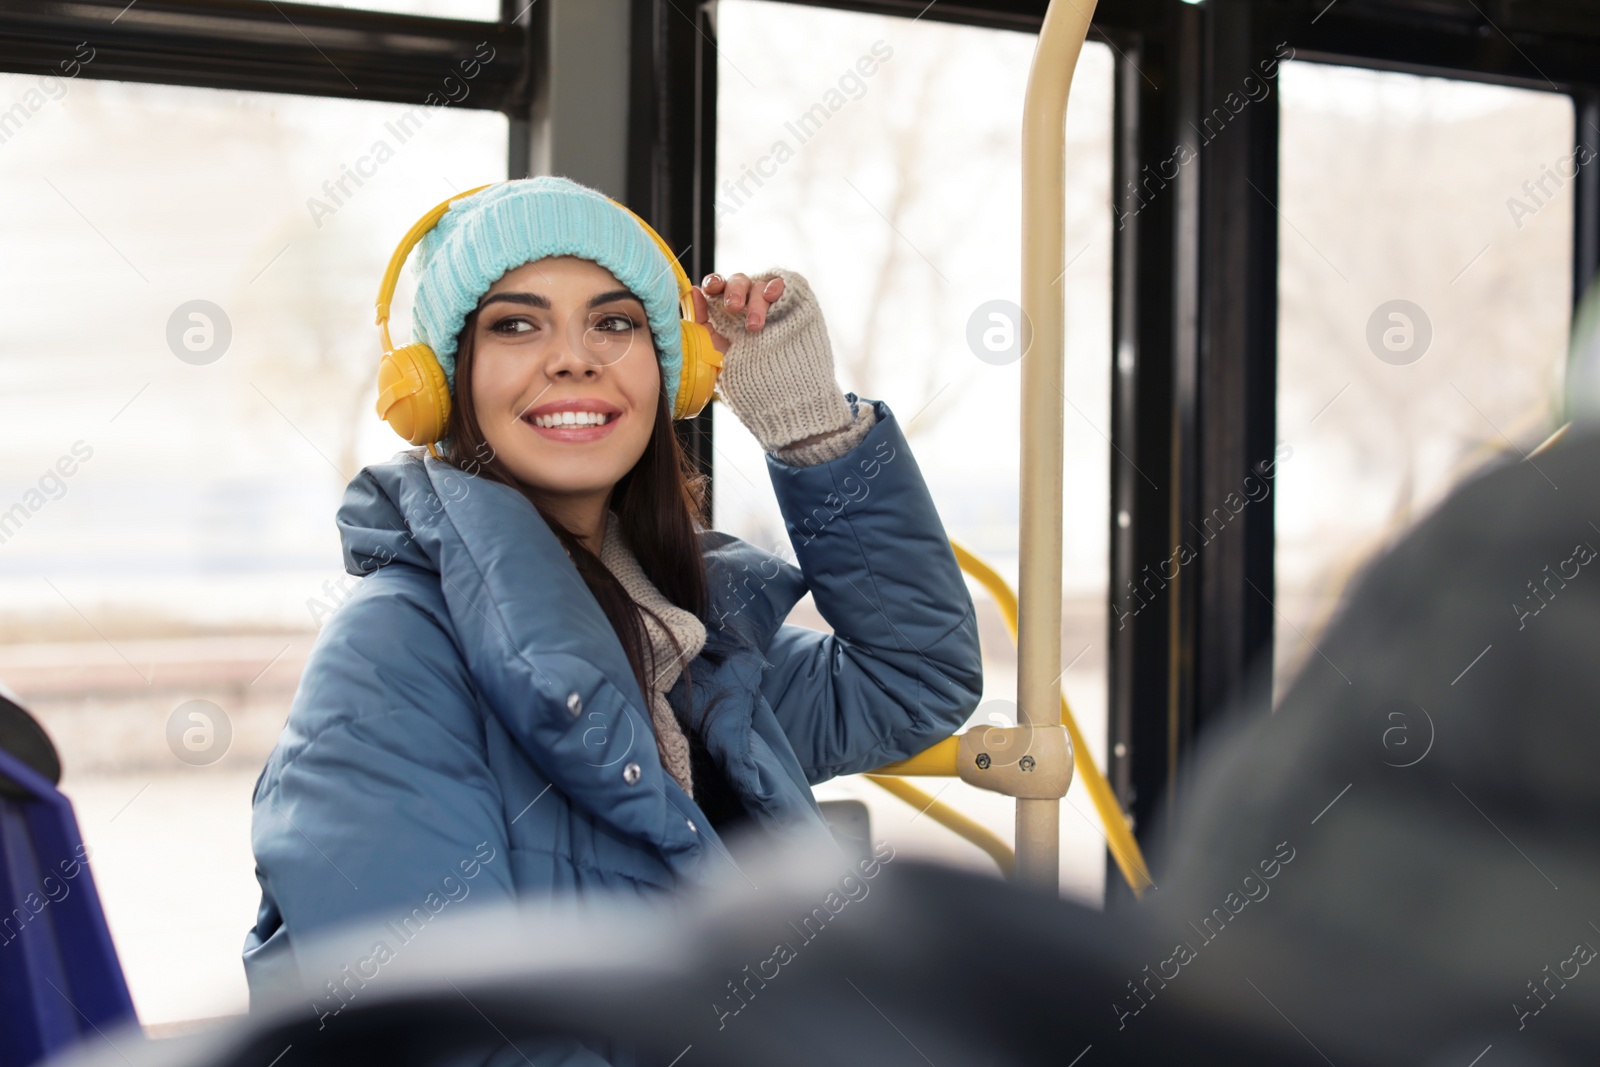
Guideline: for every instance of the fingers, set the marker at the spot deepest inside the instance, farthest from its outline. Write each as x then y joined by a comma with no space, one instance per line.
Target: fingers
702,315
739,292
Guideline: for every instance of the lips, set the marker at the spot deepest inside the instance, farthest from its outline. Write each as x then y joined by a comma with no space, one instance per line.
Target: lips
576,419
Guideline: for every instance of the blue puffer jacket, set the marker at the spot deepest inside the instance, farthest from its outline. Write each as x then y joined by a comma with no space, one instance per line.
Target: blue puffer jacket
469,718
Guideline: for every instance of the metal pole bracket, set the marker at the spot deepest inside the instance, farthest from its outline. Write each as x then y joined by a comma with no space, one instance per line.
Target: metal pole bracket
1032,762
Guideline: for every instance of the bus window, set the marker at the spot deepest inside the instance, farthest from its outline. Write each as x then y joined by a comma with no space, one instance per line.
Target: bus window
851,148
191,369
1425,293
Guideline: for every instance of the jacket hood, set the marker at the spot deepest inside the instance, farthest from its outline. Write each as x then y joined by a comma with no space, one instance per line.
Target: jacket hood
373,526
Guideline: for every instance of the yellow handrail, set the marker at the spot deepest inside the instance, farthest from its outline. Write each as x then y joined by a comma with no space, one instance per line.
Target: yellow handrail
935,761
945,815
939,760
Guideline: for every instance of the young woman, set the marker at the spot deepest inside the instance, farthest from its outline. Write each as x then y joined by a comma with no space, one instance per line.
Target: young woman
554,678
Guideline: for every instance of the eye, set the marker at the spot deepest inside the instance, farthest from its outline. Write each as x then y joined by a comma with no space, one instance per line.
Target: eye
620,323
511,325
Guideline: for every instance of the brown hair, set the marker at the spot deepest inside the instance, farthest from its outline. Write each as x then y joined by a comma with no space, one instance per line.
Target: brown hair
659,504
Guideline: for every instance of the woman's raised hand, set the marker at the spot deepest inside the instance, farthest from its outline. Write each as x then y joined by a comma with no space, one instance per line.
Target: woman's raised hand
777,373
737,292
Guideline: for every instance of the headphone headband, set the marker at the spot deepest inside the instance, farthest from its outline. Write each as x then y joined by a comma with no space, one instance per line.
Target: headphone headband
391,273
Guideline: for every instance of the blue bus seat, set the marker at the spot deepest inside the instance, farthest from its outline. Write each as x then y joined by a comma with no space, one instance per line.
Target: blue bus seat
60,980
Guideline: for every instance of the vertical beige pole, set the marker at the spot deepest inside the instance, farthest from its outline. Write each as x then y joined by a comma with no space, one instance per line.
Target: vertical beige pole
1066,25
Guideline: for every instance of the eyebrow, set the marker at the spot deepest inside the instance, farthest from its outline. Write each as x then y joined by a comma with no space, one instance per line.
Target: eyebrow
540,301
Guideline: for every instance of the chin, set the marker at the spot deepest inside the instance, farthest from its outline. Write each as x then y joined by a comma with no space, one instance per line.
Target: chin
550,474
568,470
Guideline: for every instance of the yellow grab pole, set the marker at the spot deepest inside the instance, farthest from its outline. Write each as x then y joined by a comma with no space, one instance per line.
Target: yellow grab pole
1044,113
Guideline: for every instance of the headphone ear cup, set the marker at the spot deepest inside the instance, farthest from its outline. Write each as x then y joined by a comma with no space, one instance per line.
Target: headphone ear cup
413,396
701,365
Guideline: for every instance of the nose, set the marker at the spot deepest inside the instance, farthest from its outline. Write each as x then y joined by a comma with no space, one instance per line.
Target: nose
566,364
569,358
584,350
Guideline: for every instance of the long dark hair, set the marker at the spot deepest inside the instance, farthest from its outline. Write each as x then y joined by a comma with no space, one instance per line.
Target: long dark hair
659,504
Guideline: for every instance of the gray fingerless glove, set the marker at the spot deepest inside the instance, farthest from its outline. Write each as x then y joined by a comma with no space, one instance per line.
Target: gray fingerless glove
779,380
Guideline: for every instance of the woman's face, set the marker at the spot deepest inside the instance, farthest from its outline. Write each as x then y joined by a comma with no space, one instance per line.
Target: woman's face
565,381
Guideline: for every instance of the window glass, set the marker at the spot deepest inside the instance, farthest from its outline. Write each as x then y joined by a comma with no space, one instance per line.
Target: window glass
1425,293
853,149
191,367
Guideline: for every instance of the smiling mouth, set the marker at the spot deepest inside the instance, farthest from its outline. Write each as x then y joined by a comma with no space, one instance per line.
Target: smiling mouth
569,419
573,427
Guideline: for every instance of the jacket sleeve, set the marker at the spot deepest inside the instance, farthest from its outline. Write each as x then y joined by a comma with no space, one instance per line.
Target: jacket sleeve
902,668
378,810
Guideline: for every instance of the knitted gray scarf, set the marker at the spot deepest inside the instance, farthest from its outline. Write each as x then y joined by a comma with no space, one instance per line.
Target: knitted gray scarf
665,661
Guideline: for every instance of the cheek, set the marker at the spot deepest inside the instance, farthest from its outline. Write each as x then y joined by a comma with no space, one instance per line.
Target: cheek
641,382
494,381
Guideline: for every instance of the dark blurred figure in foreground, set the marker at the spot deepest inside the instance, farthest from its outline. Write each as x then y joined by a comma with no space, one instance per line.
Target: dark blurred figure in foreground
1400,866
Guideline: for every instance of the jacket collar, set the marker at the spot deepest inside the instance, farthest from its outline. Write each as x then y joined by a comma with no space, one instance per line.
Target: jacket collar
527,623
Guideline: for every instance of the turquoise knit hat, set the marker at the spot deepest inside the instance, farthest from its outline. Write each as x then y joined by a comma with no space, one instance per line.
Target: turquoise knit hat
506,225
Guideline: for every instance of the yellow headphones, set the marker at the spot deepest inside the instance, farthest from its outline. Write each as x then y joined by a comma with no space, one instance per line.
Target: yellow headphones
414,398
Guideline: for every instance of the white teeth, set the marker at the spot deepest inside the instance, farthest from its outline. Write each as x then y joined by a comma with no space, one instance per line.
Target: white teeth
571,418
